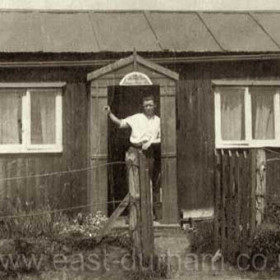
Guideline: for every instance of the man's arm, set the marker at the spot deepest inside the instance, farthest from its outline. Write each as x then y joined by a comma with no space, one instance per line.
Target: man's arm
113,118
157,140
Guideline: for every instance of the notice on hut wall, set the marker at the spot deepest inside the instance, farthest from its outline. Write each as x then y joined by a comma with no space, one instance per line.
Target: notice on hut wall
135,79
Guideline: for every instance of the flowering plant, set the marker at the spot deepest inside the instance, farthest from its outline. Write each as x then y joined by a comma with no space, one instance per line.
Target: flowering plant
85,226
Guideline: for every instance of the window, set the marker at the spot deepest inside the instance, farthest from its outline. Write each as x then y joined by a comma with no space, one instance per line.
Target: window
247,114
31,117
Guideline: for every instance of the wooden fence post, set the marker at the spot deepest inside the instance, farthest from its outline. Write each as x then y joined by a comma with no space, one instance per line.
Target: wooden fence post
252,197
147,233
261,185
258,190
217,199
223,204
132,161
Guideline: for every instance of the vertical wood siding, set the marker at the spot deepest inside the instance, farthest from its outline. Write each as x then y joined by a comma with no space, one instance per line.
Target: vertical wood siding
57,191
196,131
195,137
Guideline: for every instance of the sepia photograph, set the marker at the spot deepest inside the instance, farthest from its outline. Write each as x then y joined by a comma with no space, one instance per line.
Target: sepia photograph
139,139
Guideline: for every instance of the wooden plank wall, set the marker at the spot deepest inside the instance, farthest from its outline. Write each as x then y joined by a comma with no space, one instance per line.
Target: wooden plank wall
195,134
195,127
58,191
195,139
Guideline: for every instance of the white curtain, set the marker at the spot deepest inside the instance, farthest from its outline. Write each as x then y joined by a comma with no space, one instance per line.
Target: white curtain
10,116
232,113
43,118
262,112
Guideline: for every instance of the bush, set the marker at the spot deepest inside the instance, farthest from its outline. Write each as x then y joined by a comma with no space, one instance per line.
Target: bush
272,213
267,242
202,237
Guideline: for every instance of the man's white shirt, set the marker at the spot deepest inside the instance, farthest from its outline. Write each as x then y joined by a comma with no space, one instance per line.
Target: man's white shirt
143,128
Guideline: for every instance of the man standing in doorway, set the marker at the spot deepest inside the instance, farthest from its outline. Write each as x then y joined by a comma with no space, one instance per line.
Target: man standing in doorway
145,136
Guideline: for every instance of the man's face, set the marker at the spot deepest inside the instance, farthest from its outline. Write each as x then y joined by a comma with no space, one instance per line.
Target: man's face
149,107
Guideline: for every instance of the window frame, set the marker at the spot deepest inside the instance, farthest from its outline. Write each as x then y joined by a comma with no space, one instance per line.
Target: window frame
248,142
26,146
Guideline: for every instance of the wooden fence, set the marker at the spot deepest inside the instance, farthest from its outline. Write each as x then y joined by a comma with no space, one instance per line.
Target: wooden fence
239,199
138,200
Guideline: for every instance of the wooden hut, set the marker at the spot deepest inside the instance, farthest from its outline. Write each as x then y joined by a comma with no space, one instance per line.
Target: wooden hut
59,68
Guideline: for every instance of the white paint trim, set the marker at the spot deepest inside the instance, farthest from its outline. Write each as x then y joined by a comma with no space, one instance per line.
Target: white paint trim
275,83
252,144
59,120
27,119
24,123
33,85
218,125
248,115
19,149
277,115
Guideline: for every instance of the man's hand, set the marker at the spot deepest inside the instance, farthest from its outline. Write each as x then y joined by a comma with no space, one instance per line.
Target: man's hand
113,118
107,109
146,145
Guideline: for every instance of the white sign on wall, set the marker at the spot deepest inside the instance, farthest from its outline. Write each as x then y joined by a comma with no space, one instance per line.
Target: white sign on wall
135,79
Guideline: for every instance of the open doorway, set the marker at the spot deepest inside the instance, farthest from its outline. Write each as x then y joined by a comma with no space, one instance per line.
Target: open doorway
124,101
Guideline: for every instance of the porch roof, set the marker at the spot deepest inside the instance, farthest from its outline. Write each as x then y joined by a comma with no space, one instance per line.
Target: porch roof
51,31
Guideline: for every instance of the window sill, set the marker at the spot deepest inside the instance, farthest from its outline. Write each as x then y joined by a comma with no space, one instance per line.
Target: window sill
247,145
38,150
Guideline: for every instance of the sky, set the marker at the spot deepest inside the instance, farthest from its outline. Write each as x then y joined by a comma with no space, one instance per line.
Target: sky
143,4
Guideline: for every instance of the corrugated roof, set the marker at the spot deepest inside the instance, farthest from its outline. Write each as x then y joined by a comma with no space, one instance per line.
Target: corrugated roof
19,32
238,33
123,31
182,32
67,33
154,31
270,23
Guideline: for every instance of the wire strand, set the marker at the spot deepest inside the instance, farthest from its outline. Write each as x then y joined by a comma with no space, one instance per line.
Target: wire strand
273,159
66,171
271,151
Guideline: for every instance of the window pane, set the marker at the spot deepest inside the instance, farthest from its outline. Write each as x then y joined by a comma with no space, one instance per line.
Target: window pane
232,113
262,112
10,116
43,119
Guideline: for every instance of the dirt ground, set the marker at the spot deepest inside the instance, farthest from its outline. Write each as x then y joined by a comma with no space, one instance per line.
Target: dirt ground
228,273
79,265
67,275
115,273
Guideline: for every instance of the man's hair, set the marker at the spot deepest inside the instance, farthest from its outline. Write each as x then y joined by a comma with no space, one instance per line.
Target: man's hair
148,98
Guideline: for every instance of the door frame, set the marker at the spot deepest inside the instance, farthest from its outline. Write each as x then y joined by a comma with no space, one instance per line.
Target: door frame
112,75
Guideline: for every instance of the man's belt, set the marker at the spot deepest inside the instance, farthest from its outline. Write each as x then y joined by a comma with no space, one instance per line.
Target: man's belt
135,145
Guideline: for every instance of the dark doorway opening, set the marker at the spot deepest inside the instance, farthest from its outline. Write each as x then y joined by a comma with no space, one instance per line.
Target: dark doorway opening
124,101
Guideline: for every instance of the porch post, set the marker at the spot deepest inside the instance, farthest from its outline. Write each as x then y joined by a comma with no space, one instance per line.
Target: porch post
97,187
170,213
